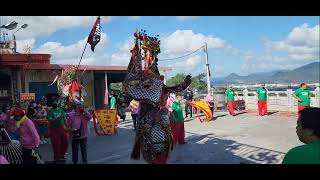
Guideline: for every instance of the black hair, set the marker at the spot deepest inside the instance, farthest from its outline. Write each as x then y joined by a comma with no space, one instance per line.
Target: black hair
302,84
4,107
31,103
309,119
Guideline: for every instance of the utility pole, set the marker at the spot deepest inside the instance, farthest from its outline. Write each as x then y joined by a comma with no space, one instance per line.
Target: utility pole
165,77
208,69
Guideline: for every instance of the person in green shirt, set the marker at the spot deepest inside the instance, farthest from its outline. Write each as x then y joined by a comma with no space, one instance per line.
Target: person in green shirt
303,96
178,129
113,101
230,100
308,131
262,100
58,135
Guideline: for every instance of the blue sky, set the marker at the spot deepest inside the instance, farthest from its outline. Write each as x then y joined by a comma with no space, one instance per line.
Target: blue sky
240,45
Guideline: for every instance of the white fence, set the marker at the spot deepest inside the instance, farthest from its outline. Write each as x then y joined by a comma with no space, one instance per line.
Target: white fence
277,100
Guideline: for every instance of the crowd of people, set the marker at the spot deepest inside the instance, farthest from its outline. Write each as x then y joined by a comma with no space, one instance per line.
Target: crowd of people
30,127
71,127
302,94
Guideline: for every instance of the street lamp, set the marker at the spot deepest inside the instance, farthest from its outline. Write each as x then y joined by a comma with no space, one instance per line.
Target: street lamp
10,26
22,27
14,36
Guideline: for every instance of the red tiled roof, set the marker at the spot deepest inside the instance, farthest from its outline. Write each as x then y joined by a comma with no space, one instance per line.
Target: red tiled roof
13,59
37,66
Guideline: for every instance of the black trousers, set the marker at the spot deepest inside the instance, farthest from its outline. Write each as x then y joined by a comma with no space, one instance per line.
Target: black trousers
212,109
134,118
188,109
83,148
27,156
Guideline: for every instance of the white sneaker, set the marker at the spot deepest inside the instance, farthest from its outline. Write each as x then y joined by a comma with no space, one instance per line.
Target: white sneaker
41,142
45,142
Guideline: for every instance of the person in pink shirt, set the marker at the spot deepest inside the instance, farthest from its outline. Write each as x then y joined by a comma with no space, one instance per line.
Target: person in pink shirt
29,137
135,109
3,160
210,101
9,123
77,123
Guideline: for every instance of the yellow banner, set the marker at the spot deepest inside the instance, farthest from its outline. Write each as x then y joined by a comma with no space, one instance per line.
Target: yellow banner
204,107
107,120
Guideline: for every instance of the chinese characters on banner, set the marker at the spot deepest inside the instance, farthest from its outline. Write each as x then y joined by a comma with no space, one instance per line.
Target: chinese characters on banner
107,120
27,96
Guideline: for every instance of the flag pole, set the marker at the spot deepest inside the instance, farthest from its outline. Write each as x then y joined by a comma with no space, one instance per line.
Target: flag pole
81,57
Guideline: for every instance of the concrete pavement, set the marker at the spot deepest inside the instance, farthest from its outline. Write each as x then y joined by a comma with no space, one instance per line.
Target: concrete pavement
246,138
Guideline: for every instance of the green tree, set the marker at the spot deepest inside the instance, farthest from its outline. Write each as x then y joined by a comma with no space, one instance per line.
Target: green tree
177,79
198,82
116,86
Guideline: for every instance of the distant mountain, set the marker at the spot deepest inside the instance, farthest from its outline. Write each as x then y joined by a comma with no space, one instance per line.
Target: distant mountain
309,73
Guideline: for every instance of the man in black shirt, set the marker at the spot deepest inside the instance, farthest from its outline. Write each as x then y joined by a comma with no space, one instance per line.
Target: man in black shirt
188,96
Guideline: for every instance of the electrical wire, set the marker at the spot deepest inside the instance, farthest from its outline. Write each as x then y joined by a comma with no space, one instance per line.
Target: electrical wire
182,56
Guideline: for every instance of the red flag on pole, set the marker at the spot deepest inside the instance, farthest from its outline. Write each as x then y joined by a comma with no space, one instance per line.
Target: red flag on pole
95,34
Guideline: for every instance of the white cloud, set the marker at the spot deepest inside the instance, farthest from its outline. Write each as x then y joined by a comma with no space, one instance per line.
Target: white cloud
71,54
302,43
122,56
182,41
189,64
46,25
184,18
134,18
22,44
245,54
299,47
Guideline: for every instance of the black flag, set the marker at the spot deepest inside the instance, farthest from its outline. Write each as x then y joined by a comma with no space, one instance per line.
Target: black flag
95,34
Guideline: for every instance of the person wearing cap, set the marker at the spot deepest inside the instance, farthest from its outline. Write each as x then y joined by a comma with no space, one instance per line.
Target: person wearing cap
230,100
262,100
57,132
308,131
303,96
29,137
77,123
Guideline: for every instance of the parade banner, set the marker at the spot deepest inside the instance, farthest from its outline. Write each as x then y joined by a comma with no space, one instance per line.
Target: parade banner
107,120
27,96
204,107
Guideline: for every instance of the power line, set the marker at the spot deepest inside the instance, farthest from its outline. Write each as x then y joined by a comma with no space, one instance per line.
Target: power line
182,56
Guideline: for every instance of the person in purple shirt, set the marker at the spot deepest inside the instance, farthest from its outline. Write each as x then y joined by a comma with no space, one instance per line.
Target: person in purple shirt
9,123
29,137
3,160
77,123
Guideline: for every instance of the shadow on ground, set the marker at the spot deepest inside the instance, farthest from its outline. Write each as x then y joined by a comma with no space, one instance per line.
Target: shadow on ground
200,149
208,149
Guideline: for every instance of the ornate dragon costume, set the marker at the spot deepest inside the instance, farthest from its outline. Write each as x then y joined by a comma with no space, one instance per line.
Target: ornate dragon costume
69,88
154,138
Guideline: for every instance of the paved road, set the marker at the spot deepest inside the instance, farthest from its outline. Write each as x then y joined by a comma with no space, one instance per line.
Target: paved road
246,138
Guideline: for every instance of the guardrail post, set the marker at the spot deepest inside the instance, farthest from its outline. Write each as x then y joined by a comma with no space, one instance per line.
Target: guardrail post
317,96
289,98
